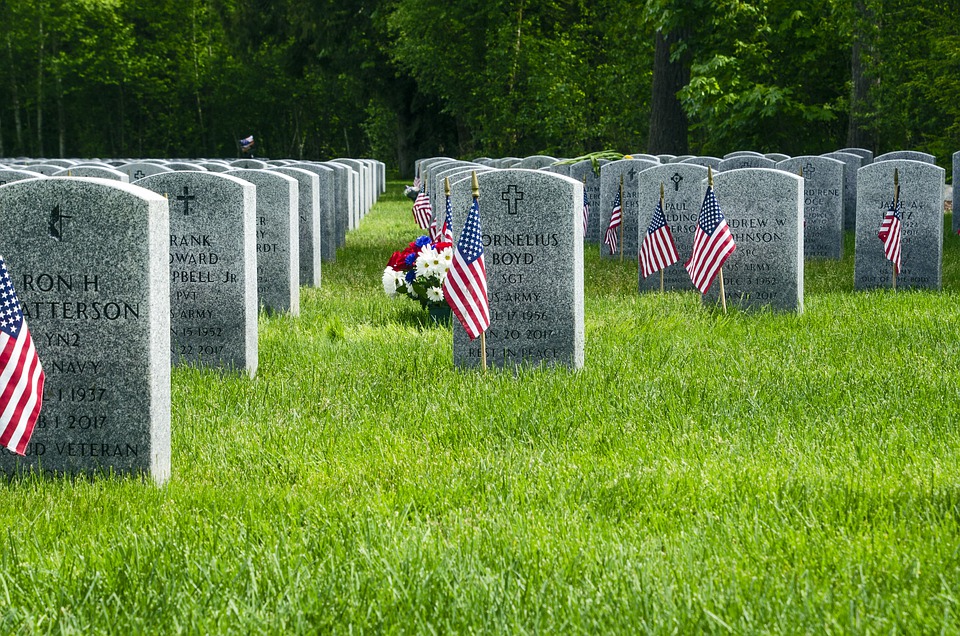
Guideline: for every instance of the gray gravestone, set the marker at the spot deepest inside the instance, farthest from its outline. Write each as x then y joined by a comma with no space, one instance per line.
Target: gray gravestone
956,171
213,268
745,161
640,156
610,174
666,158
88,260
583,171
140,169
742,153
706,162
535,162
248,164
852,164
93,171
278,239
533,252
823,196
309,222
921,197
863,153
325,233
9,175
910,155
185,166
764,209
776,156
213,166
682,197
47,170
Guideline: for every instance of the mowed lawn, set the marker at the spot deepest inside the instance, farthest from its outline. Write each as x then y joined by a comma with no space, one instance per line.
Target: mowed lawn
747,473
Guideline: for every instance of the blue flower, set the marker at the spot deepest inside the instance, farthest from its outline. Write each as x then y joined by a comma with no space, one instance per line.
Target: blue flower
423,240
411,259
411,275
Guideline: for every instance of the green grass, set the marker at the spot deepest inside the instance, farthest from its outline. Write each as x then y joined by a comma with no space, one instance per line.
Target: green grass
747,473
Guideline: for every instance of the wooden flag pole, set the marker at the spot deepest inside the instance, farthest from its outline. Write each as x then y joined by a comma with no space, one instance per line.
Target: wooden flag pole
896,200
483,334
723,294
621,218
661,207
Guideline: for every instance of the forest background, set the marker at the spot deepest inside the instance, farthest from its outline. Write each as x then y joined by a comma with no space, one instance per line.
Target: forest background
403,79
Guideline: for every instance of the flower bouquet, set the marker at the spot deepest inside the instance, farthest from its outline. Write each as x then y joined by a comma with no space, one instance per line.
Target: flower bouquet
419,271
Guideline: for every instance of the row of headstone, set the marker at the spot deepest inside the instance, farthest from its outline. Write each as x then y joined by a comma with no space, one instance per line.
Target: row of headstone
532,222
119,281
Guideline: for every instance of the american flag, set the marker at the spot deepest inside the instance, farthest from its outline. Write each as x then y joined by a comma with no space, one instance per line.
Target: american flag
465,286
246,142
446,234
586,209
21,376
712,244
417,183
615,220
658,249
422,212
890,234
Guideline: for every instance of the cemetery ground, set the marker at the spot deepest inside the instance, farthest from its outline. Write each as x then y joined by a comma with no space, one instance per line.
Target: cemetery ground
703,472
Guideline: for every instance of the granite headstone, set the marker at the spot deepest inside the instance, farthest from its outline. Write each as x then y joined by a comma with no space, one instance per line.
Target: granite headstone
921,243
88,260
213,268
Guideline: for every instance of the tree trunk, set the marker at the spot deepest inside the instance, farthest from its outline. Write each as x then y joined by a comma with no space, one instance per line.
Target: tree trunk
857,134
15,98
40,91
668,121
58,85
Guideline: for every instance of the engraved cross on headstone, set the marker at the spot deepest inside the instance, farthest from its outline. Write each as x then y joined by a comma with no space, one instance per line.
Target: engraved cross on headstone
809,169
512,196
186,197
55,224
139,174
632,174
676,178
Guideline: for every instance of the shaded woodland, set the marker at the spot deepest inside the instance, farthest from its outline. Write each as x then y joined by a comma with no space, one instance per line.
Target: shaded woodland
401,79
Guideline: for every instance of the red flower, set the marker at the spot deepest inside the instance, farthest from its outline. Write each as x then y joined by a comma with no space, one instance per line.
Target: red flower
442,245
398,260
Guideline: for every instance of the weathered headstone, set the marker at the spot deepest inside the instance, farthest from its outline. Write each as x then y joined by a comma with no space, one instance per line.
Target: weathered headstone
910,155
535,162
706,162
863,153
278,239
742,153
309,222
140,169
47,170
641,156
185,166
764,210
745,161
776,156
610,174
93,171
248,164
9,175
682,197
88,260
583,171
852,164
666,158
213,268
533,251
325,233
823,180
921,244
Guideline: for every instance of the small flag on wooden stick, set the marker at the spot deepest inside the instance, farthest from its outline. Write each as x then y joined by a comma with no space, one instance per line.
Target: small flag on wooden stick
658,251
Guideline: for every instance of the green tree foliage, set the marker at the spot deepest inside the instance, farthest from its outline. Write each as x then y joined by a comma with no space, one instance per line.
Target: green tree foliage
407,78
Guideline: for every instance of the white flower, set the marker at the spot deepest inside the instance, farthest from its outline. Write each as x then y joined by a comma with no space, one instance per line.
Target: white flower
446,259
428,262
390,281
410,290
435,294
